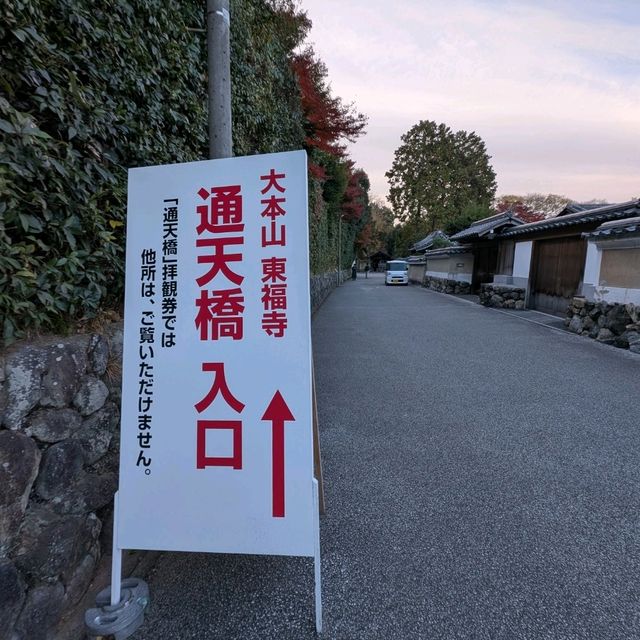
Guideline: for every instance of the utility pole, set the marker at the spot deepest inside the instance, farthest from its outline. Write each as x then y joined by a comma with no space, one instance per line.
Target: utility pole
219,67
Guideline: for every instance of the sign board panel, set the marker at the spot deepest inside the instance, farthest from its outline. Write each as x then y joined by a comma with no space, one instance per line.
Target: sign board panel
216,444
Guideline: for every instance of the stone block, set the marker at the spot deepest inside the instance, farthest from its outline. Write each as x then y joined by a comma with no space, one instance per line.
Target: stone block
606,336
91,395
24,368
96,491
617,319
80,580
41,613
52,425
575,324
519,305
51,544
67,487
633,312
12,596
621,341
66,365
98,354
97,431
633,340
3,391
19,461
61,468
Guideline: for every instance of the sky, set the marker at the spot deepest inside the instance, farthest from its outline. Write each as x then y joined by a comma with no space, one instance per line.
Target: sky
552,87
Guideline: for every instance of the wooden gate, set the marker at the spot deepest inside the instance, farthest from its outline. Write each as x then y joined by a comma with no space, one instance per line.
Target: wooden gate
485,261
557,272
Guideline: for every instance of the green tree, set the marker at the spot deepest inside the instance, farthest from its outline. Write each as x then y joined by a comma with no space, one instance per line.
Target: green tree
407,234
469,214
440,243
436,173
381,224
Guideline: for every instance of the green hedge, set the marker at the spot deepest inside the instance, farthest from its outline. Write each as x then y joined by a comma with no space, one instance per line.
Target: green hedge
90,89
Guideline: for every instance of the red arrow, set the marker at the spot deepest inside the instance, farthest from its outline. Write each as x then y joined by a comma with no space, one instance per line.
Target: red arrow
278,413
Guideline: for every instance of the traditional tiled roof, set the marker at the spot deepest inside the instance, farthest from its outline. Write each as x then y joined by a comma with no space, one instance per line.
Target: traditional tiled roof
485,226
448,251
615,228
602,213
577,207
425,243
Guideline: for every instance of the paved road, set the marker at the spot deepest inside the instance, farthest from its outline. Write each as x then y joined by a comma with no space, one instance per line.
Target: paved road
482,479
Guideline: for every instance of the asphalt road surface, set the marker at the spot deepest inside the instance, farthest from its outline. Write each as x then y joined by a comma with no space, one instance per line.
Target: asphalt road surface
482,478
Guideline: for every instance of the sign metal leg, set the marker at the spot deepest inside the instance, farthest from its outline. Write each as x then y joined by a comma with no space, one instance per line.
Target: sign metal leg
317,458
316,559
116,560
128,599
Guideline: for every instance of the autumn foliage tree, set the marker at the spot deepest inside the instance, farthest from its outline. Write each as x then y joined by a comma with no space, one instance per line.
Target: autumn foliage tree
329,124
519,209
353,203
533,206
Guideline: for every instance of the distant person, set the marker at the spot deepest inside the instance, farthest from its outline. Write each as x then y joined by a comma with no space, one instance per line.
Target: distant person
366,270
354,271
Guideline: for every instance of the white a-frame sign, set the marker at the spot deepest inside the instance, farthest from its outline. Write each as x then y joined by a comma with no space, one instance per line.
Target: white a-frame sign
216,444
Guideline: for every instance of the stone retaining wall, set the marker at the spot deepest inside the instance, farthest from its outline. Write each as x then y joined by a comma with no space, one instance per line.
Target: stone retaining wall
59,439
616,324
444,285
502,296
322,285
59,419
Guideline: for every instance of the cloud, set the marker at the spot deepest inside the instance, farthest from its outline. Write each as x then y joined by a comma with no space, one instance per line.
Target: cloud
553,89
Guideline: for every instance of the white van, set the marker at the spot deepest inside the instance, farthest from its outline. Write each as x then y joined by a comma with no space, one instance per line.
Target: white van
397,272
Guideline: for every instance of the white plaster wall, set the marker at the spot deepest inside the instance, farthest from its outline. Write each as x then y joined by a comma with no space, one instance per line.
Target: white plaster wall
522,259
416,272
592,264
592,289
603,293
459,277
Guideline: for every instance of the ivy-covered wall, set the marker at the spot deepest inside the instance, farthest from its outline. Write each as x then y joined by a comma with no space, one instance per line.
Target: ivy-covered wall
90,89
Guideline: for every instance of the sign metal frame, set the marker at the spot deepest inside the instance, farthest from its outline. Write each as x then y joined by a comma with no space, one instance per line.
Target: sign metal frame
124,532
